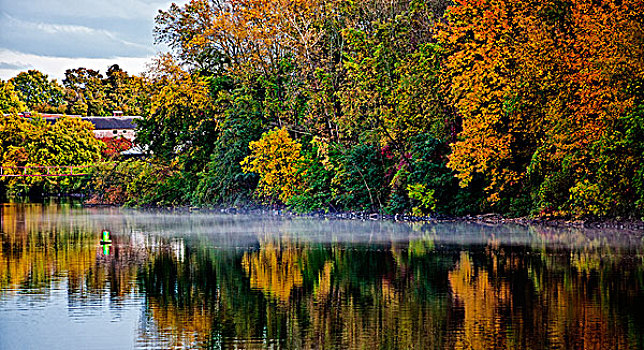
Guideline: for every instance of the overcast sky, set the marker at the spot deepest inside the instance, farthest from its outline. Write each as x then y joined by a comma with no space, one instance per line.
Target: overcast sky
54,35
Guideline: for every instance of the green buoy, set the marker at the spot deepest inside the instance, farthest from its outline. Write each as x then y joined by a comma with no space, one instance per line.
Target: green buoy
106,249
106,238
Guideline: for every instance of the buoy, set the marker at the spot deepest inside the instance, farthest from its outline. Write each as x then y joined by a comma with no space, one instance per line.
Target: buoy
106,249
106,238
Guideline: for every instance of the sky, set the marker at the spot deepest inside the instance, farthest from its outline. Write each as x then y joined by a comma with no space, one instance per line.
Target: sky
54,35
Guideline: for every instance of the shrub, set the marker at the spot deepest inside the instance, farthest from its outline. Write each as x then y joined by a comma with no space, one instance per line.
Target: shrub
424,197
139,182
428,167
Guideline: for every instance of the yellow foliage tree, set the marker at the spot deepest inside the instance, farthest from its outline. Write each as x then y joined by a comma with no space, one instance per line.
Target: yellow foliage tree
277,159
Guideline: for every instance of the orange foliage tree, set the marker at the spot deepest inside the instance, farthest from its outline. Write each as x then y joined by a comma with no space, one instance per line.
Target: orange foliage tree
114,146
542,88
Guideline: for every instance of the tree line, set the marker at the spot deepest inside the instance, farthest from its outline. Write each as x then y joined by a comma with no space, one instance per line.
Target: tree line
425,107
84,92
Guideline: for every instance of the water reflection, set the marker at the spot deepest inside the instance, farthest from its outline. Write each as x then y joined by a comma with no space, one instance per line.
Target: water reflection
172,280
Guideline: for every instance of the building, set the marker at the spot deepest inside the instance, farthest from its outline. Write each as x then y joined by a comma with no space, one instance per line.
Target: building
114,126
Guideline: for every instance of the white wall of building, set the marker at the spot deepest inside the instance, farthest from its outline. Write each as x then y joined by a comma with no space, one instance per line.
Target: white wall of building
125,133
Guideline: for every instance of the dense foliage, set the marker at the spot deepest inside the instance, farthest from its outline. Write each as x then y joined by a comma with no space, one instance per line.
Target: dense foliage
424,107
28,146
545,90
84,92
114,146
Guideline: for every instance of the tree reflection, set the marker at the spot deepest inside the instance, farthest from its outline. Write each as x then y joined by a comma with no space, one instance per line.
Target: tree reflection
36,253
510,299
274,270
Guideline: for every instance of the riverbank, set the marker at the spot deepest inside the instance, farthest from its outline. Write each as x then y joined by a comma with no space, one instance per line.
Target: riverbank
489,218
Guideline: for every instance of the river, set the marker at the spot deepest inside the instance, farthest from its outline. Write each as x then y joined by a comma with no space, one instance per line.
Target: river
174,280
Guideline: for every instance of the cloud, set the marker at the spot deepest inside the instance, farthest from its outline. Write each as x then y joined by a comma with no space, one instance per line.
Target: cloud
94,9
14,66
55,35
12,63
54,28
67,40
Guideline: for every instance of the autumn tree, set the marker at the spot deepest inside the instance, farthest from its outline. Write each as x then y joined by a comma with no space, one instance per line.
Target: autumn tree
277,159
255,42
179,121
10,99
540,86
38,92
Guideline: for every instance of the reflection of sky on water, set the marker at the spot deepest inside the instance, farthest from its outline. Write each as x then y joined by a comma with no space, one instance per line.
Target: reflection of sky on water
29,320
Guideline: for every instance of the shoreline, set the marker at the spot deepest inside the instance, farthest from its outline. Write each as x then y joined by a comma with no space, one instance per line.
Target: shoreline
489,218
281,211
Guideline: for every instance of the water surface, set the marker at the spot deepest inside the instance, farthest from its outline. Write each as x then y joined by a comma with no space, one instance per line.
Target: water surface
191,280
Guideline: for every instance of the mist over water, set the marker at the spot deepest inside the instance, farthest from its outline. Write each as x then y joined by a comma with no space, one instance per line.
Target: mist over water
204,280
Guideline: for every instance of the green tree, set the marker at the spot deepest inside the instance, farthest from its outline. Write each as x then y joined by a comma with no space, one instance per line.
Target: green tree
124,92
241,121
38,92
85,92
34,143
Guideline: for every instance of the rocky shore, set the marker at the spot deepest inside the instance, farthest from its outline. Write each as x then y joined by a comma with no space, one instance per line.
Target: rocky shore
489,218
